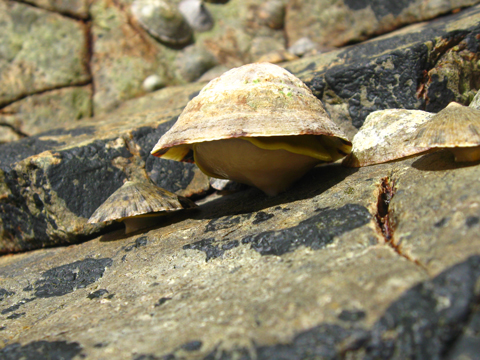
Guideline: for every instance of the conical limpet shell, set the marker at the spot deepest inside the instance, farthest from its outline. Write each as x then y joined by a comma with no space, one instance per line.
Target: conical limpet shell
256,124
136,203
385,136
162,20
457,128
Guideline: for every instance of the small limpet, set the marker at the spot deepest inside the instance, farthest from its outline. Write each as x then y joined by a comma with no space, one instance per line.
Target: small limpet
138,205
456,128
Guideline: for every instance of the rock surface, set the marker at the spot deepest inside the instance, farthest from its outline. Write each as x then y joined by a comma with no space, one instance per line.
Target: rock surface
380,262
308,273
25,66
105,46
339,22
54,181
75,8
398,70
47,110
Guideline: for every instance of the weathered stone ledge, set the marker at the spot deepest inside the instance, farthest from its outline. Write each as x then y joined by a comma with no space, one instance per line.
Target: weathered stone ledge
54,181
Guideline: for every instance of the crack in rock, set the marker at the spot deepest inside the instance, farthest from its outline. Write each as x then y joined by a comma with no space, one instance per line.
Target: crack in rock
383,217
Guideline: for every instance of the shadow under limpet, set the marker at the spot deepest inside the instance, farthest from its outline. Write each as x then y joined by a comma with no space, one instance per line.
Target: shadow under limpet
315,182
440,161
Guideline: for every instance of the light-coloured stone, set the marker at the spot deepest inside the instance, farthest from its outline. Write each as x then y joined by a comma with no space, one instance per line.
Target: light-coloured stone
196,14
153,82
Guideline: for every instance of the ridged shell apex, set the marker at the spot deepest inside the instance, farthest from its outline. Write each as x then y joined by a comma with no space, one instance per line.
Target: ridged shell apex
454,126
135,198
254,100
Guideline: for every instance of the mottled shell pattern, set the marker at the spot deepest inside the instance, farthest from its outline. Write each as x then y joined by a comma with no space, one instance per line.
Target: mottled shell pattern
255,100
454,126
385,136
163,20
136,199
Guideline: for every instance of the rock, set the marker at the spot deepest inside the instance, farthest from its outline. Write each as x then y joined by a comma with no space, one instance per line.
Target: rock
25,66
336,23
8,134
272,13
386,135
192,62
48,110
228,40
153,82
123,55
196,14
54,181
445,216
75,8
213,73
303,46
379,262
263,45
163,20
454,75
476,101
277,56
308,273
353,82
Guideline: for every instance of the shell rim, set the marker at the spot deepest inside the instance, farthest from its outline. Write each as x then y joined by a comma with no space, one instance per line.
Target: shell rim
160,151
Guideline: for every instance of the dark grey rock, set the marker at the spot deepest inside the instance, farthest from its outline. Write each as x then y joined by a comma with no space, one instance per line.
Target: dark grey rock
42,350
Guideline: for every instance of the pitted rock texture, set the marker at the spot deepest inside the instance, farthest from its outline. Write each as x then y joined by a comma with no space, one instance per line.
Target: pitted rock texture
190,288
